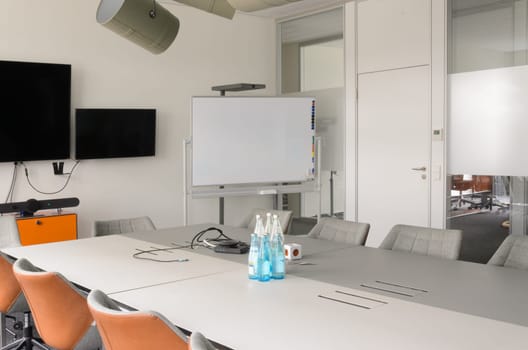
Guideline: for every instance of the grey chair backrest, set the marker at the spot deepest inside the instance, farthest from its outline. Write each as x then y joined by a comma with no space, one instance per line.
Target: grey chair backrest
9,236
104,228
513,252
424,240
285,217
198,342
341,231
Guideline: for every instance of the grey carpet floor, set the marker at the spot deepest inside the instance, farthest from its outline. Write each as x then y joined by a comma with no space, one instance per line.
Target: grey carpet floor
482,234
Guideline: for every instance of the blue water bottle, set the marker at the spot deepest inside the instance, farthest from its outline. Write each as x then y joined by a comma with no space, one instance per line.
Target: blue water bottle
264,259
278,263
254,249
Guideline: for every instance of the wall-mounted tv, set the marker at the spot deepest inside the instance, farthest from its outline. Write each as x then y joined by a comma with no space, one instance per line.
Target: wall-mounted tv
35,111
115,133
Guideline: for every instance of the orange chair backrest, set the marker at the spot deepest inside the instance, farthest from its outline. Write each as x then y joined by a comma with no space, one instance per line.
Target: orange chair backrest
61,314
136,331
10,289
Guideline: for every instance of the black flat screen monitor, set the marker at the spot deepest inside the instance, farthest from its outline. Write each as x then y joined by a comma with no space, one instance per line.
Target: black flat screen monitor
34,111
115,133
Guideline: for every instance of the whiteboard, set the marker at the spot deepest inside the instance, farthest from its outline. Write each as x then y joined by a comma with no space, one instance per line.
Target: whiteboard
252,140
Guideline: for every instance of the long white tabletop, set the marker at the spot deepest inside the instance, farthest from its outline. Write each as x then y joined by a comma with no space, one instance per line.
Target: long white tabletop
488,291
298,313
347,297
107,262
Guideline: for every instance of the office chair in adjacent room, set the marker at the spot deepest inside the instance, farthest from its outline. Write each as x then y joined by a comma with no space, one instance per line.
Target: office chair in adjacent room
513,252
340,231
285,217
424,240
110,227
133,330
59,309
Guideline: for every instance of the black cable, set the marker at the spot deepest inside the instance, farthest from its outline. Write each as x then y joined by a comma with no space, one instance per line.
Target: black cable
153,251
55,192
14,182
197,237
12,185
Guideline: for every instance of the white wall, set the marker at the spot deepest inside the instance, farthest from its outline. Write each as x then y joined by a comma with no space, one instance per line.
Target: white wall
322,65
108,71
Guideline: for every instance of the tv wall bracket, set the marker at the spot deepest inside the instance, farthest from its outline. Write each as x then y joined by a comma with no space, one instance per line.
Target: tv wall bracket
58,168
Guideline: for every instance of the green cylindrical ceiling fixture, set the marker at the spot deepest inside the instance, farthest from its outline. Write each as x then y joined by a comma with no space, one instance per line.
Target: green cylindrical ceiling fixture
143,22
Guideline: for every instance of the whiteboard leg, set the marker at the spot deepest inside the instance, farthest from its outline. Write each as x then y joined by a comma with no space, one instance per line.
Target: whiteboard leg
185,199
221,205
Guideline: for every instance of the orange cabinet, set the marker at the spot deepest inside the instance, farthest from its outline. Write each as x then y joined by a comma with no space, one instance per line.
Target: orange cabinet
46,229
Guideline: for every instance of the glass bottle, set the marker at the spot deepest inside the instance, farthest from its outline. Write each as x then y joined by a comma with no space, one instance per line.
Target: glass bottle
264,259
269,224
254,249
278,264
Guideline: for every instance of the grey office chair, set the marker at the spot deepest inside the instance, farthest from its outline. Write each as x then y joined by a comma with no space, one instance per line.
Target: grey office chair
9,236
513,252
340,231
424,240
104,228
198,342
285,217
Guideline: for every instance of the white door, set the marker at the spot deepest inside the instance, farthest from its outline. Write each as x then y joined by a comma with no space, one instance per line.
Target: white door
394,149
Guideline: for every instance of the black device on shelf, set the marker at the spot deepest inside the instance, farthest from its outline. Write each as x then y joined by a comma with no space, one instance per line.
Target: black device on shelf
35,111
115,133
31,206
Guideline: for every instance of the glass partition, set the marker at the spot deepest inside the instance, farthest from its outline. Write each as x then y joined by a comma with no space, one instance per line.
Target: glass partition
487,64
312,64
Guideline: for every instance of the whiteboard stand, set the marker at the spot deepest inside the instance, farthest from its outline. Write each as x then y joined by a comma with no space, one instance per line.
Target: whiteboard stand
225,169
236,191
232,88
186,144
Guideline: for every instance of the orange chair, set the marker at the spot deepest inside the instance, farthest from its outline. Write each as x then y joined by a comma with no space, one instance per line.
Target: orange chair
12,300
133,330
60,311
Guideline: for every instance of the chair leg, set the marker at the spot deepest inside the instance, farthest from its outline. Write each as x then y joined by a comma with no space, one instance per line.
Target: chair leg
39,345
27,341
18,344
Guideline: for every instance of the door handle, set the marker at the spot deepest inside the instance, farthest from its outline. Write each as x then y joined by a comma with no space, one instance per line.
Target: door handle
419,169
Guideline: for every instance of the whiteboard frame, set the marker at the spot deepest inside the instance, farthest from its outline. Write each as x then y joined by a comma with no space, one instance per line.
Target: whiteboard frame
307,177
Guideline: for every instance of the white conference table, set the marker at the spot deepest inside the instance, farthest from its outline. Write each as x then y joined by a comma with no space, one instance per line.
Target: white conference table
488,291
211,293
107,263
291,314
